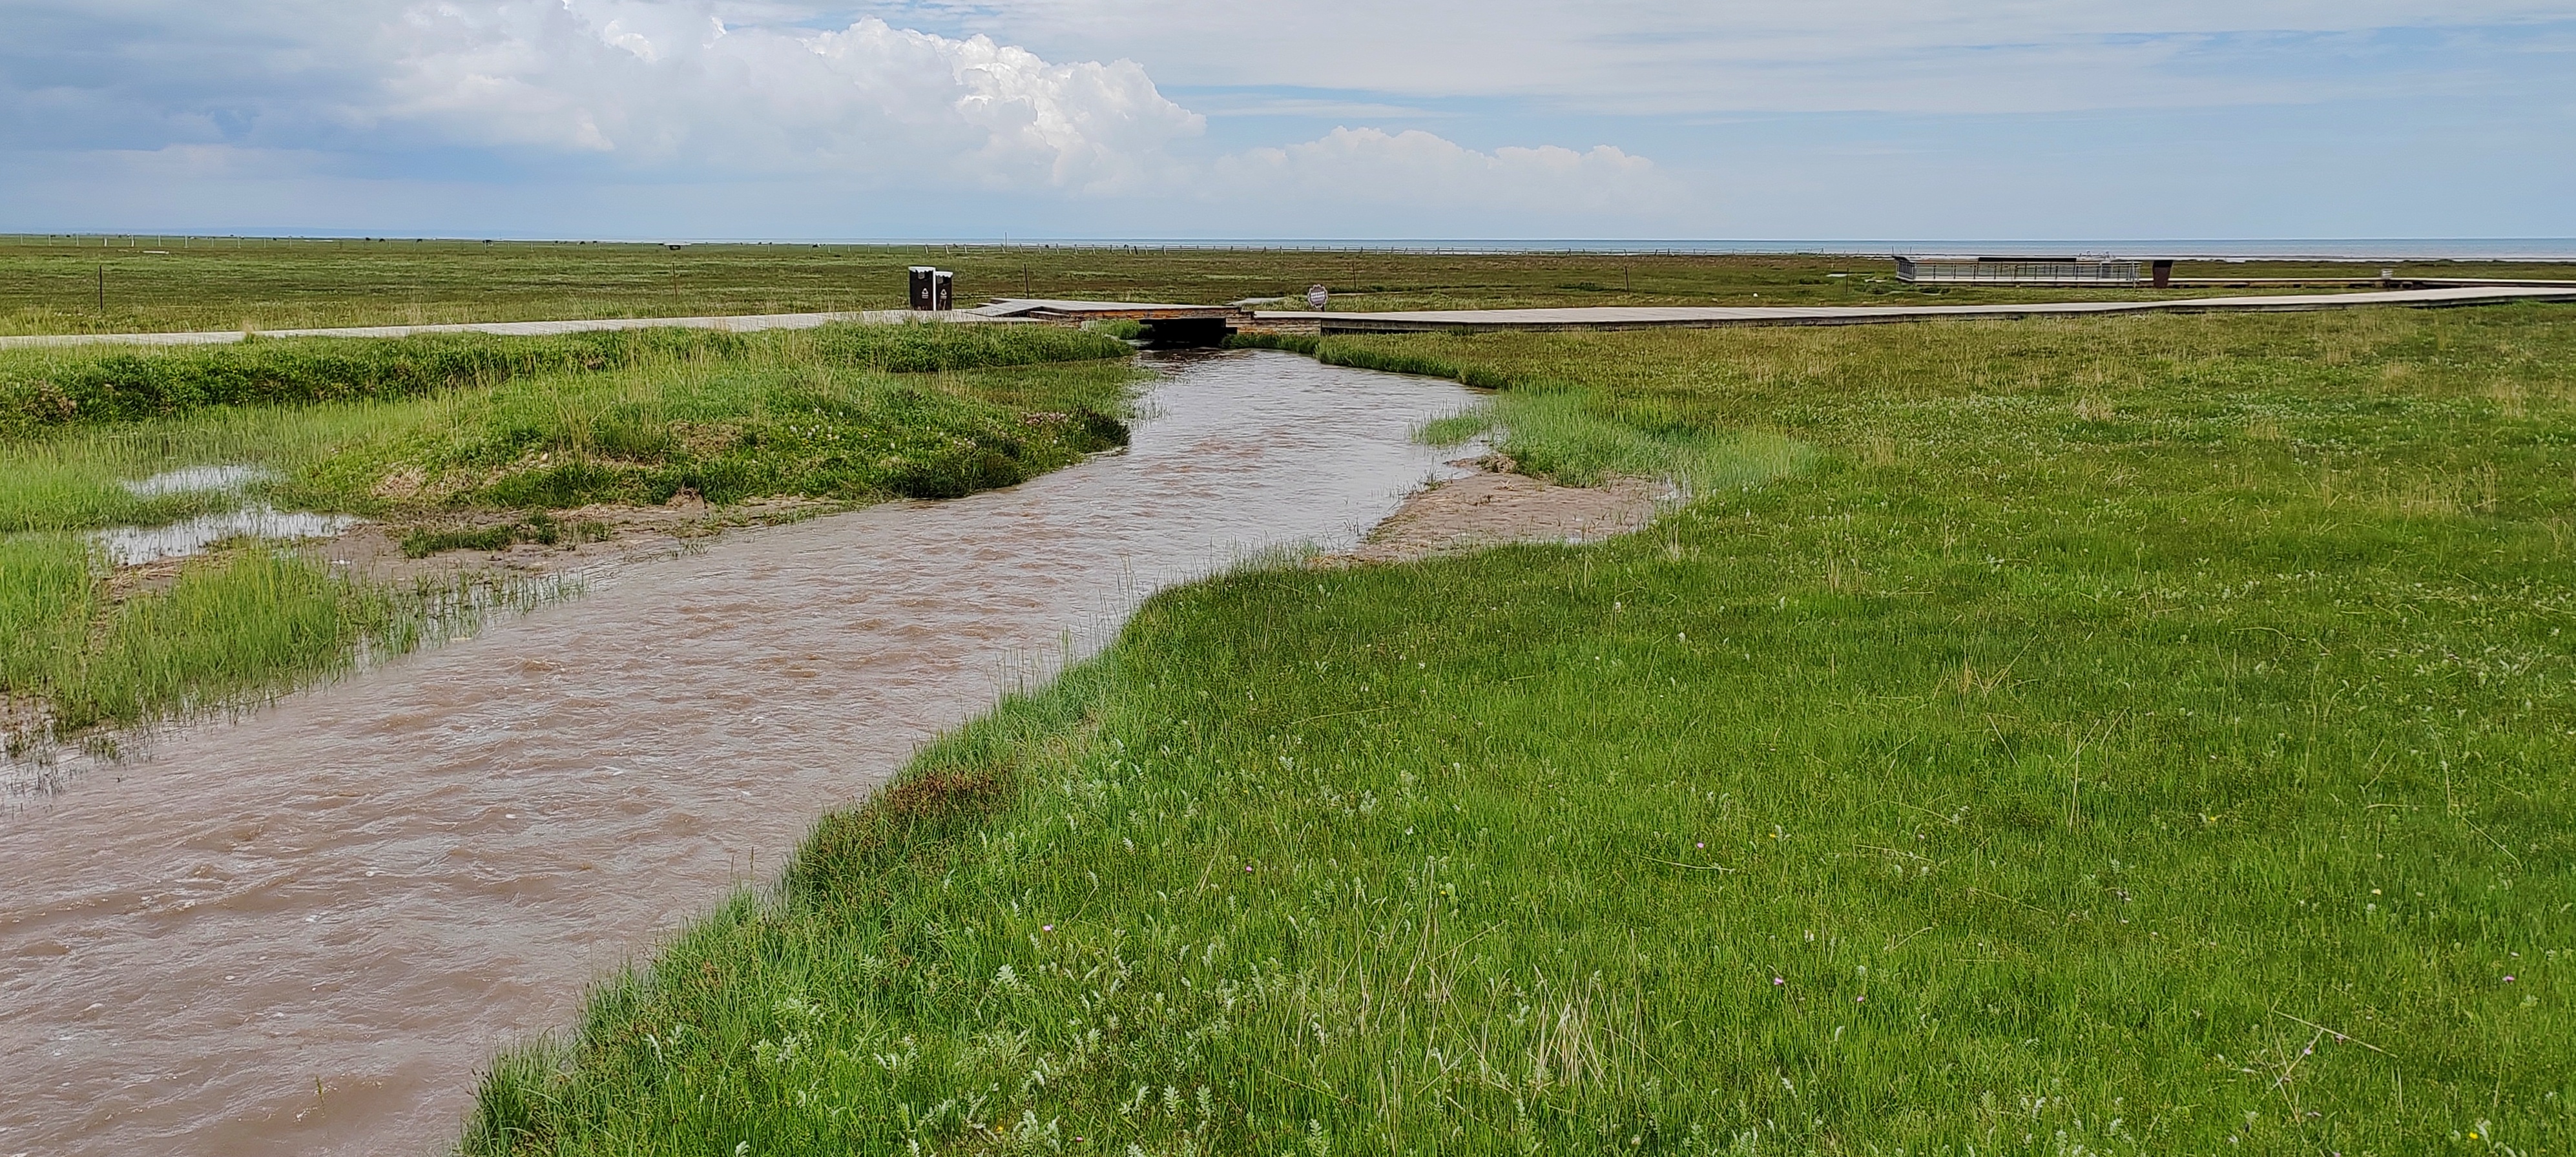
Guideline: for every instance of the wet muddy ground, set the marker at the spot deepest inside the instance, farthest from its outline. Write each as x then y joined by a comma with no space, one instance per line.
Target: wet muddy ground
595,537
1488,504
305,930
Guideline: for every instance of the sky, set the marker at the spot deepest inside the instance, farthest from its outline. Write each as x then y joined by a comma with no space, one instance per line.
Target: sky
1319,119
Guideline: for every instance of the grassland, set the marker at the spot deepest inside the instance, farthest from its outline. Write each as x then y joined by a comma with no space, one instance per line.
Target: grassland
467,443
155,284
2140,735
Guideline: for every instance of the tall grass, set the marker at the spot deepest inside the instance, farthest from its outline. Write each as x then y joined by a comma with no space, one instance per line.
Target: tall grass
60,385
46,599
821,413
253,622
2073,758
732,433
48,491
238,626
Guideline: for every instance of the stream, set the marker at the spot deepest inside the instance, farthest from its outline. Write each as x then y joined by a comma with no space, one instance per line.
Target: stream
307,930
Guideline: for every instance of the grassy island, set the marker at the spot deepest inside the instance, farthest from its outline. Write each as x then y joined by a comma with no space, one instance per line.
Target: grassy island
458,443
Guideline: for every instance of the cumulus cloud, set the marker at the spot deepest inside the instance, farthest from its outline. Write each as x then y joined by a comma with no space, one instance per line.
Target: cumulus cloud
658,84
740,94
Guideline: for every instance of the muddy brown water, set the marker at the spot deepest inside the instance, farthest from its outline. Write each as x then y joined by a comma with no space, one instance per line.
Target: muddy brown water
305,931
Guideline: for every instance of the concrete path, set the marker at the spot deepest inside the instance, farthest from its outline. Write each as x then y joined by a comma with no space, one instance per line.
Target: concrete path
1711,317
745,324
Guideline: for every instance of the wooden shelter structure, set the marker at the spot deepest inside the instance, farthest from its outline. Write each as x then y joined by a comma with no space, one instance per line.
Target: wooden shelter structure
2062,272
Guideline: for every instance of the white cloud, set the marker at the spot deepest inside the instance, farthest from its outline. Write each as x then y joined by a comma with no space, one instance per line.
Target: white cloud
655,86
1712,56
974,117
661,84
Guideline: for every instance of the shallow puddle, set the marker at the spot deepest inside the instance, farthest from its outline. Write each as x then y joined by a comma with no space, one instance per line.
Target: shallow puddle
195,479
136,545
307,930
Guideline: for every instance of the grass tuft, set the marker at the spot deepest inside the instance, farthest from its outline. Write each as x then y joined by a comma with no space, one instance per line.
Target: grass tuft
245,625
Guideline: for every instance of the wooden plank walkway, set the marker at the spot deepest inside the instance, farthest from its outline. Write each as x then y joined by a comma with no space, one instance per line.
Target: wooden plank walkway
1715,317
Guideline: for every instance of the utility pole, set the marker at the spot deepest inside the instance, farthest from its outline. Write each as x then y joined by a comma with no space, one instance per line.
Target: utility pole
102,289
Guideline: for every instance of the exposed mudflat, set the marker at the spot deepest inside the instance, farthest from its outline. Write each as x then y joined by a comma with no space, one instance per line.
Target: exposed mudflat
1490,506
595,537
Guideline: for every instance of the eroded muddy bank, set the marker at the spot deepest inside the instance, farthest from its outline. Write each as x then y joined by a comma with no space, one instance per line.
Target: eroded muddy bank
1487,504
305,931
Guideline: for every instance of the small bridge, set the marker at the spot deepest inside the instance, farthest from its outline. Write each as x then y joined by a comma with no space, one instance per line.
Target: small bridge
1165,324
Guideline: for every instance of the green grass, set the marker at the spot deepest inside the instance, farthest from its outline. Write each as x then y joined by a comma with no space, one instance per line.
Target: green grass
728,415
2136,735
52,286
58,386
1562,431
228,630
428,434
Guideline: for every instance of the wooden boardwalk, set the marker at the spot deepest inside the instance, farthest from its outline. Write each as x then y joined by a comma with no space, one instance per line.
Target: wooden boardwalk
1717,317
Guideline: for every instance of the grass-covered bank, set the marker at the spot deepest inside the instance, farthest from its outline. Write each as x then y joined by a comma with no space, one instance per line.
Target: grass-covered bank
227,630
53,386
2131,736
1562,430
464,444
